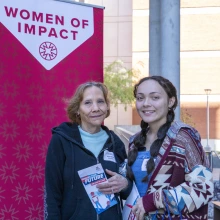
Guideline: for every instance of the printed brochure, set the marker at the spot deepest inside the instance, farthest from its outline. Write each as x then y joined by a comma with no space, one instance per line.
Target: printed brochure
90,177
129,203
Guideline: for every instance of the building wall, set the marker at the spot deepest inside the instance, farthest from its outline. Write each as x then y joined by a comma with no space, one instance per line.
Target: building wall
126,37
200,66
117,30
117,46
199,60
140,36
200,50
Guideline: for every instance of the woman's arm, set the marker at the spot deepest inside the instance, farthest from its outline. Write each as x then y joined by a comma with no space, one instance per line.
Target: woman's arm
196,191
197,188
54,179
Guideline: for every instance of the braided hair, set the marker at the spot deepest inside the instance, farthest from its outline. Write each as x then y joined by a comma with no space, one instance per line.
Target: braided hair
141,138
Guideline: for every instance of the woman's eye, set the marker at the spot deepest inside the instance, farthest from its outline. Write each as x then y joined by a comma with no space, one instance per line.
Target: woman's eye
155,97
87,103
139,98
101,101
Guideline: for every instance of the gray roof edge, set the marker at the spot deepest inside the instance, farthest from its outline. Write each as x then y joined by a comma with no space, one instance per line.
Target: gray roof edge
80,3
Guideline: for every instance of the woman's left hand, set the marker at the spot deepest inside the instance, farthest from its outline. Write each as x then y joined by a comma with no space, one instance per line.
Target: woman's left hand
114,185
138,209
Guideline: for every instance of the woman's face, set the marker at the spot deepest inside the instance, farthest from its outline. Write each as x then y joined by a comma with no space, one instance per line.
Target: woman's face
152,103
93,109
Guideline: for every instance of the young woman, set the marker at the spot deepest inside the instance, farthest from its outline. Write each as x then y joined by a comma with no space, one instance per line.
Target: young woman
79,144
166,159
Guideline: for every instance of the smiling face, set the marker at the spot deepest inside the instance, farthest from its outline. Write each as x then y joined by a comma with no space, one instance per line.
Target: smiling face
152,103
93,109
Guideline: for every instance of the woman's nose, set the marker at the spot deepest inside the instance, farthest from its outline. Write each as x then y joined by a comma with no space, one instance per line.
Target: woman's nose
147,102
95,107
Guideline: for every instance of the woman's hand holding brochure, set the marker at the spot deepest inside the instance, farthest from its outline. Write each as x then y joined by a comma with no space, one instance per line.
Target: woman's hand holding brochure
91,177
115,183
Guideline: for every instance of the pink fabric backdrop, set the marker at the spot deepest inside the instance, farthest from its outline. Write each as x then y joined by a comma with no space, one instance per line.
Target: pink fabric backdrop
31,103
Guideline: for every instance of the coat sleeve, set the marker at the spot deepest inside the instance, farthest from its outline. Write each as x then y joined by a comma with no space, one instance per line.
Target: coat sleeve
197,187
122,155
54,179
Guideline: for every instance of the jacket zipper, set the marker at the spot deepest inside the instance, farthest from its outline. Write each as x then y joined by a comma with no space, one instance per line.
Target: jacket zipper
97,159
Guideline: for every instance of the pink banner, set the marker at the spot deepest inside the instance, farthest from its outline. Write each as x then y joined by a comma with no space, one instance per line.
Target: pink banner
45,53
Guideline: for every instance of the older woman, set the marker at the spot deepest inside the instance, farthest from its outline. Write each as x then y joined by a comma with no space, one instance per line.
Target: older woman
79,144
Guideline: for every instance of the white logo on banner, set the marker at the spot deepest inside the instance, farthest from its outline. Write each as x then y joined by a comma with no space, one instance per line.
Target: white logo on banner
49,30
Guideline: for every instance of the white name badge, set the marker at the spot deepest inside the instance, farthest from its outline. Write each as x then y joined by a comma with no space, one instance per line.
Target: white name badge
109,156
143,166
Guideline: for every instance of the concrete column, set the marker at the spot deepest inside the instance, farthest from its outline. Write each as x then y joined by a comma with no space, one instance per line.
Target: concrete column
170,44
154,38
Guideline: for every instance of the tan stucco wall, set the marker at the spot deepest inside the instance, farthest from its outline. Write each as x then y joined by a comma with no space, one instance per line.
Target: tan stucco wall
200,3
200,31
199,58
117,46
199,73
126,37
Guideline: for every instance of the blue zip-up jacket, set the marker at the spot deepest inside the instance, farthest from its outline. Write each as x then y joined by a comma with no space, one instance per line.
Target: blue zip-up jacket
65,196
